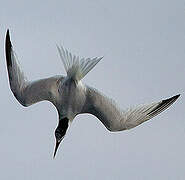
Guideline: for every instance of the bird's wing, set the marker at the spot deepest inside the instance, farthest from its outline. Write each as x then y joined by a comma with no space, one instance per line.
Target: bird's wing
115,119
26,92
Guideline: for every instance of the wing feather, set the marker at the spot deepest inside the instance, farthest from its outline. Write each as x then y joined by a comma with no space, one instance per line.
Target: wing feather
114,119
26,92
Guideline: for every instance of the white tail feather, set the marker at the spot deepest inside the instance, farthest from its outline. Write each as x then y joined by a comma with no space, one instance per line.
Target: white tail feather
75,67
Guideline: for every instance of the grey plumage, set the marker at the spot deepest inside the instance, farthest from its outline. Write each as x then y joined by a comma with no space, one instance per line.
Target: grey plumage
71,97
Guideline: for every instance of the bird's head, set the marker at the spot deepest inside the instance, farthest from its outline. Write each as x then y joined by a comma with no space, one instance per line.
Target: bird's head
60,132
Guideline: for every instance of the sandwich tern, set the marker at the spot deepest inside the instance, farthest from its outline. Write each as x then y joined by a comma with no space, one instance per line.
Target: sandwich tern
71,97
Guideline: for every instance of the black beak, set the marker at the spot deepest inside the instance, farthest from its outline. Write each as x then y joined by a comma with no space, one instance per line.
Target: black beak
56,147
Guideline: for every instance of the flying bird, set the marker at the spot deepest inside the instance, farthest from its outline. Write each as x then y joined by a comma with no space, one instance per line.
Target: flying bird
72,97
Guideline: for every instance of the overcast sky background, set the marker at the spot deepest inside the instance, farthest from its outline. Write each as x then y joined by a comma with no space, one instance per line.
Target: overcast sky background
143,44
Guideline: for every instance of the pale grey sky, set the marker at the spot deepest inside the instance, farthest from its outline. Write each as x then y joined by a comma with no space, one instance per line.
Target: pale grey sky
143,44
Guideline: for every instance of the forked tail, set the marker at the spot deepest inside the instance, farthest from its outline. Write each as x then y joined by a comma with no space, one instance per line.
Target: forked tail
76,67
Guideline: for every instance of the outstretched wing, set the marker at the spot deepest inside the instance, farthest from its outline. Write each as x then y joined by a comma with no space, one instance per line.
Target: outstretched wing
115,119
26,92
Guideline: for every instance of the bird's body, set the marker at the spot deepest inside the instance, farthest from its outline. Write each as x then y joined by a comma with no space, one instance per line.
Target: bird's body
71,97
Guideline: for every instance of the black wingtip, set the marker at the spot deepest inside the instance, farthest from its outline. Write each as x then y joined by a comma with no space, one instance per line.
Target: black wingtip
8,46
7,32
177,96
8,42
164,104
174,97
170,100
